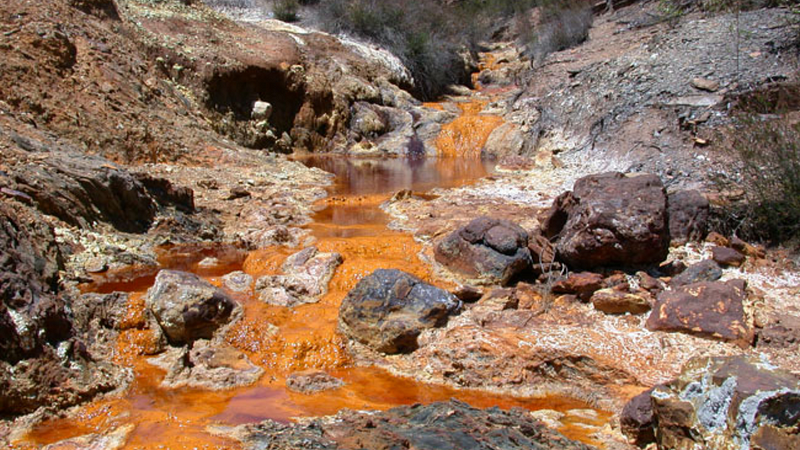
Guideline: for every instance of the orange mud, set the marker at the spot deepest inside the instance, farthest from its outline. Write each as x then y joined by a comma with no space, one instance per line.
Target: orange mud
349,222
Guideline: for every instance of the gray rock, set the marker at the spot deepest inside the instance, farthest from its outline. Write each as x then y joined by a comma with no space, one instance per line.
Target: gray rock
305,278
388,309
706,270
238,281
311,381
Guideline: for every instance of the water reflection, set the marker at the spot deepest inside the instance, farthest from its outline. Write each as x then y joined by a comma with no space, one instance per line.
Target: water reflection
361,185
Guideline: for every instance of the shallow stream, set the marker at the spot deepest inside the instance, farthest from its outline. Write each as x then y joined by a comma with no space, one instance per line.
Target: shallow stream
350,222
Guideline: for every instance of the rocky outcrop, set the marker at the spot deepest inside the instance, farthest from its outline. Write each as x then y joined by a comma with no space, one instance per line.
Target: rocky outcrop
708,309
43,361
610,219
81,190
444,425
388,309
187,307
688,216
305,278
725,403
487,251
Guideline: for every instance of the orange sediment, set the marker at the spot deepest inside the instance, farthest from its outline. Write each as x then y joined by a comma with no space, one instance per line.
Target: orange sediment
465,136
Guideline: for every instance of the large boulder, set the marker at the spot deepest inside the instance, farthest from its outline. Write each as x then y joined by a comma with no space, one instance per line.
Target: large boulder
388,309
305,278
187,307
723,403
610,219
487,251
688,216
707,309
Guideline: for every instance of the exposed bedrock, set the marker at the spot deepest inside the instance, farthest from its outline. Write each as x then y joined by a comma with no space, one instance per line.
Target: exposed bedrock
43,359
445,425
388,309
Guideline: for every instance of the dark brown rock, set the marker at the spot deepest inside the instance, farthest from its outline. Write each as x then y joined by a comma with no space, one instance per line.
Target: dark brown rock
388,309
612,301
554,218
187,307
688,216
613,220
707,309
467,293
582,284
542,251
489,251
725,256
636,419
43,360
166,193
747,249
706,270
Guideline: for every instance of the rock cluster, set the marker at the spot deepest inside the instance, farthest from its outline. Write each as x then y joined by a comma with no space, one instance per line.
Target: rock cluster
724,403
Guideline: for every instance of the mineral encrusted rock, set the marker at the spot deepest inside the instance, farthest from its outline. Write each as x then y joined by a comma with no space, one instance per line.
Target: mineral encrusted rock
725,403
388,309
305,278
708,309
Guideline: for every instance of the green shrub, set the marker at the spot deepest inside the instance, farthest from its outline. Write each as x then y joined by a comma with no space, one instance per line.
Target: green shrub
766,173
286,10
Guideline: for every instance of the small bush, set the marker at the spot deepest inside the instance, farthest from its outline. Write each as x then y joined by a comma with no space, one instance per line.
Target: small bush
563,25
286,10
766,168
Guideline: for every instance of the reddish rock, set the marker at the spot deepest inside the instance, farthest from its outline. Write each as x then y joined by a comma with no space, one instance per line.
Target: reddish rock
706,309
747,249
542,251
688,216
717,239
727,256
582,284
782,331
612,219
649,283
489,251
612,301
636,419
